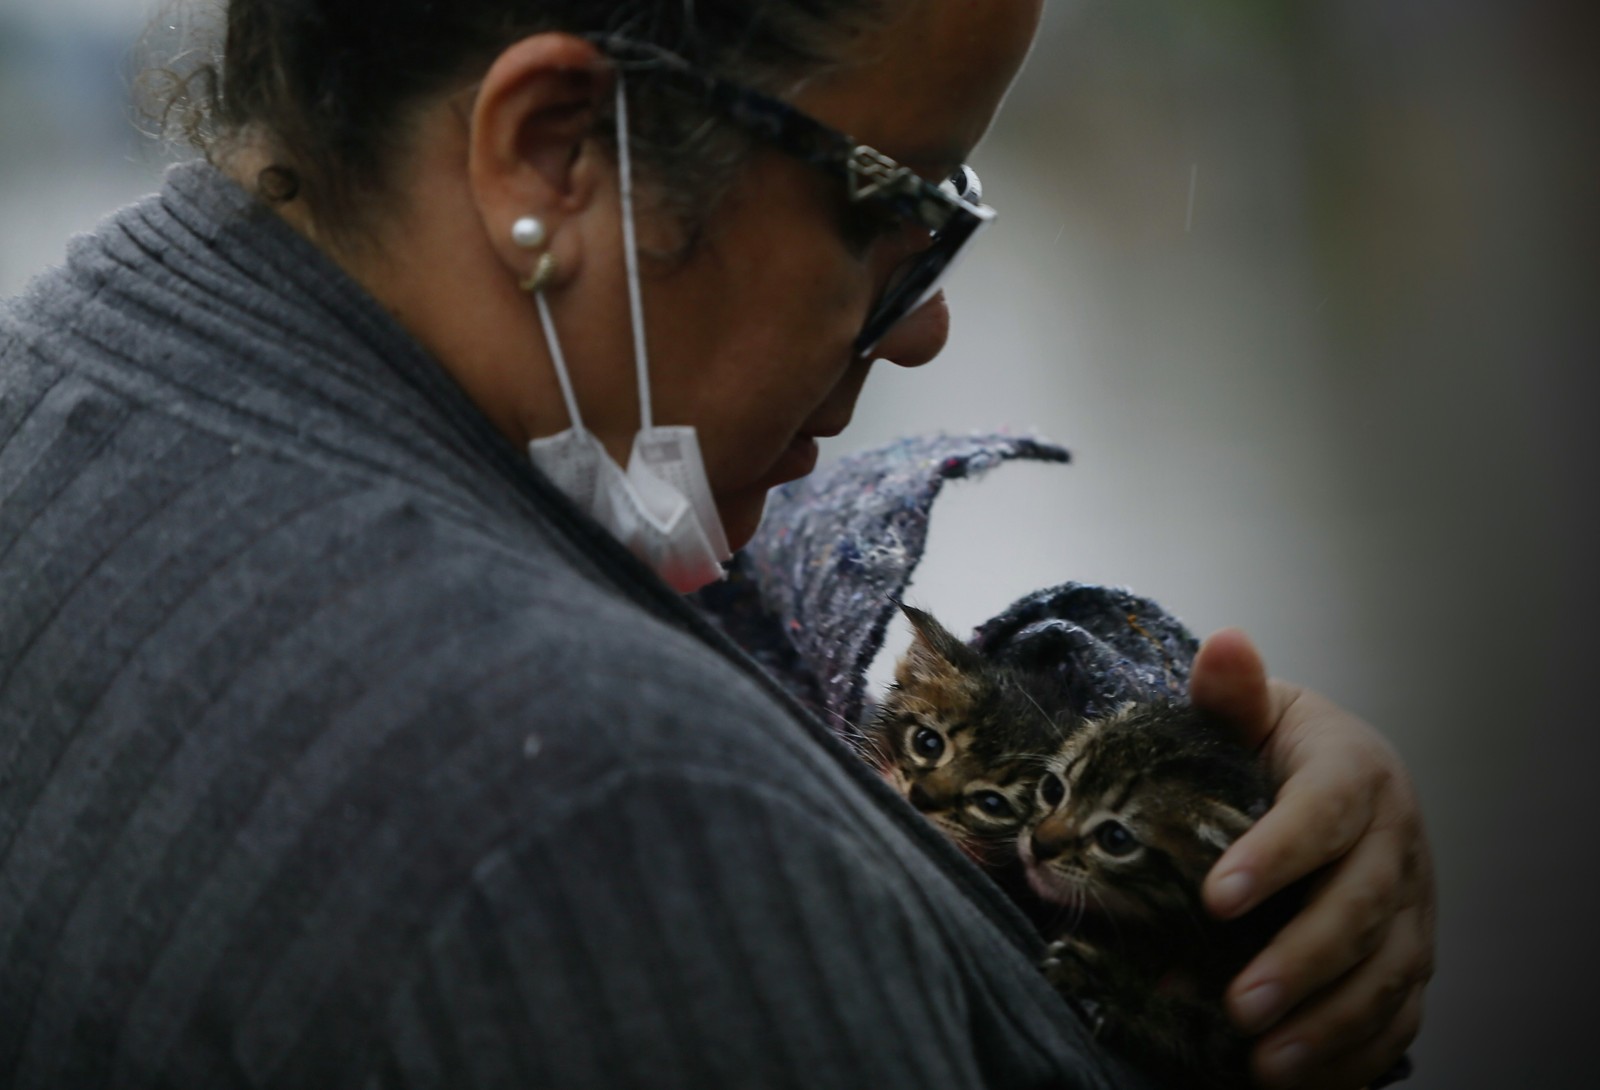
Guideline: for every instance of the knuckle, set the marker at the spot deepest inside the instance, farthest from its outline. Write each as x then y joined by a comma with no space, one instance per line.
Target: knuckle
1404,1026
1390,870
1382,1017
1407,1025
1401,1029
1422,974
1365,916
1361,1058
1350,1024
1415,873
1420,954
1379,781
1336,815
1387,765
1393,991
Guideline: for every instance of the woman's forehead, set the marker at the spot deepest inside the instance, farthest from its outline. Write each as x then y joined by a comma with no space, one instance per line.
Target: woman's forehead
923,88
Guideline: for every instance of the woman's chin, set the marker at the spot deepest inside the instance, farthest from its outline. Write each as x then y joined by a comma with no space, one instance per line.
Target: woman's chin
741,516
741,511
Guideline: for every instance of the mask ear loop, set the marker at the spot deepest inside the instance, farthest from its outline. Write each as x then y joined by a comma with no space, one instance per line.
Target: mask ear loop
630,255
574,417
635,301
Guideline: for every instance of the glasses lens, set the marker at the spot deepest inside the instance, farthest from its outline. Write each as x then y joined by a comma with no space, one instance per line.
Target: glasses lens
919,279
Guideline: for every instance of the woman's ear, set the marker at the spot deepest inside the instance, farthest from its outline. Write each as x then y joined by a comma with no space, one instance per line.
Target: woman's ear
530,151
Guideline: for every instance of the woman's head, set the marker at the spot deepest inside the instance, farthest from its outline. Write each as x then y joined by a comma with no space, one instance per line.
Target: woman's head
503,112
332,86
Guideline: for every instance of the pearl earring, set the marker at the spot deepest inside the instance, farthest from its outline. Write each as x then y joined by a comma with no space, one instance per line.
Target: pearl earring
529,233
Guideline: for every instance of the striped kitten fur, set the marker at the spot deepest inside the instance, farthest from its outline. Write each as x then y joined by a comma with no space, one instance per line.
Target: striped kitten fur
1130,815
1102,829
964,741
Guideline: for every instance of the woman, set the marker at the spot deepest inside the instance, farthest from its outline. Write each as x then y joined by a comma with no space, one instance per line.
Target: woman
343,747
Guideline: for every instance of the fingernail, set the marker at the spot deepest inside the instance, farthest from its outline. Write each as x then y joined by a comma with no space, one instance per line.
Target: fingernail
1232,891
1258,1008
1284,1063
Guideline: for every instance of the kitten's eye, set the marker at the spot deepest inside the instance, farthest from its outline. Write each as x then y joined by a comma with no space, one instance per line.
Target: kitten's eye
993,803
927,743
1052,790
1115,839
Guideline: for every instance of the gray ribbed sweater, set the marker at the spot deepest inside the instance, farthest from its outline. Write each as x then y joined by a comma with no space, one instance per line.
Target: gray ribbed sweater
336,749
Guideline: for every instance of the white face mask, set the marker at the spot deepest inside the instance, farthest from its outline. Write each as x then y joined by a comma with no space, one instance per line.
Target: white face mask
661,508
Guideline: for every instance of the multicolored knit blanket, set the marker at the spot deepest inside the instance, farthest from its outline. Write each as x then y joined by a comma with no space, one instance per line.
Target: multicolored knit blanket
812,596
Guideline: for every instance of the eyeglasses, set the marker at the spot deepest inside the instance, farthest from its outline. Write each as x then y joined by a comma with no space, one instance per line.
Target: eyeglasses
951,211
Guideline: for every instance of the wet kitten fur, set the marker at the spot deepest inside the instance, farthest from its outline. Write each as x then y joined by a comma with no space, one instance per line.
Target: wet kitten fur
1135,808
1129,817
964,740
1134,943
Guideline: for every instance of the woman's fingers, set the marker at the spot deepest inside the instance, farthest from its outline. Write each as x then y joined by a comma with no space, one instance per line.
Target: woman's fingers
1369,1046
1229,679
1326,805
1351,914
1354,1029
1341,985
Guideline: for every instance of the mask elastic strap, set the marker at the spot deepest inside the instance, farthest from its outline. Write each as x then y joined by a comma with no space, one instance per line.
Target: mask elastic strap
559,360
630,254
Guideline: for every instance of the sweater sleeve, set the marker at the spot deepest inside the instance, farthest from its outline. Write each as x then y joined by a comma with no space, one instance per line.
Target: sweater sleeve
683,929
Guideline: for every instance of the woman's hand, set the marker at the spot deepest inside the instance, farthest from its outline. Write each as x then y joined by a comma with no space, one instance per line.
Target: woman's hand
1338,993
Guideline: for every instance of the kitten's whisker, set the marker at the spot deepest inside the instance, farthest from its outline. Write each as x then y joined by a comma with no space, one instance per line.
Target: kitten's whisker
872,741
1048,722
1024,758
1104,908
845,728
873,745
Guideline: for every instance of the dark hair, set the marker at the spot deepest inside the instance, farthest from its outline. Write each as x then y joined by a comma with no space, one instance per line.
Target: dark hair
329,85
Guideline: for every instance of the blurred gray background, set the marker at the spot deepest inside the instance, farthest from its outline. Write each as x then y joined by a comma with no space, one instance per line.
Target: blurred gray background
1309,289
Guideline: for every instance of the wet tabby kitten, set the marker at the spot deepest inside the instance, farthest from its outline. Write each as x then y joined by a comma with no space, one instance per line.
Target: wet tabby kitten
1102,829
964,740
1130,815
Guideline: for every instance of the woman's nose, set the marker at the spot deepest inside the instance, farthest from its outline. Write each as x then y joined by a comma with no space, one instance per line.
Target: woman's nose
919,336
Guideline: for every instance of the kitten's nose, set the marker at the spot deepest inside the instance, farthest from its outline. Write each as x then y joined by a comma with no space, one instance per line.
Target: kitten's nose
921,799
1046,849
1052,836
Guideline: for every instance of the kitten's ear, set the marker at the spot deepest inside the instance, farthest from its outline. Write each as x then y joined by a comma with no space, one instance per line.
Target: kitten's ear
934,650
